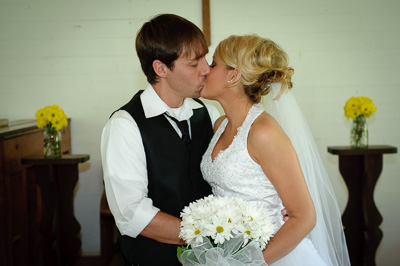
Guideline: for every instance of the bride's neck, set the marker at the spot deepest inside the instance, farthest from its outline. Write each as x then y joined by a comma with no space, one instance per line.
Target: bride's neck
236,111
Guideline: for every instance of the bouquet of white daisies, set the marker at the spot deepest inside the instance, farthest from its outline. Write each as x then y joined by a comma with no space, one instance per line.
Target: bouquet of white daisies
224,231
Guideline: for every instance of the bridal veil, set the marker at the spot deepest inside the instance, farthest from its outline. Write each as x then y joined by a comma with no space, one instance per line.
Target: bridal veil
327,236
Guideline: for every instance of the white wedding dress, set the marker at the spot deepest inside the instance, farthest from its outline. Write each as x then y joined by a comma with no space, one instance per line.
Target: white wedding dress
234,173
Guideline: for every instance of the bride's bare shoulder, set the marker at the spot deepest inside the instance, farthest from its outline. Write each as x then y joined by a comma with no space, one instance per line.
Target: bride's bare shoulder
218,122
265,128
264,122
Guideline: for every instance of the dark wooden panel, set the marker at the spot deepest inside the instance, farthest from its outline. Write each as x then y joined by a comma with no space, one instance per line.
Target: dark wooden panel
20,201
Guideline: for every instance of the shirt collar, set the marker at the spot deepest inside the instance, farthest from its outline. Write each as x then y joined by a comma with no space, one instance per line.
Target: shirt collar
153,106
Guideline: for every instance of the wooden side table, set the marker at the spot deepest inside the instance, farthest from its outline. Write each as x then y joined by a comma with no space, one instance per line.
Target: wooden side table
57,236
360,169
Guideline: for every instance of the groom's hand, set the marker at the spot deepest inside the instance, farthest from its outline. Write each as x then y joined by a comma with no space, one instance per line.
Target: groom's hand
285,215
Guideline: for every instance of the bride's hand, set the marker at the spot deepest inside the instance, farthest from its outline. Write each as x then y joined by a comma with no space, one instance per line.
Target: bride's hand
285,215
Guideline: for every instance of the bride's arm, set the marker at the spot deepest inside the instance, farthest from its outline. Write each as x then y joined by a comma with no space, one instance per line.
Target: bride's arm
271,148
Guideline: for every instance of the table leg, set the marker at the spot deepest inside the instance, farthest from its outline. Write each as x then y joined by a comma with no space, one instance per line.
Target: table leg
47,228
70,243
361,218
372,217
59,230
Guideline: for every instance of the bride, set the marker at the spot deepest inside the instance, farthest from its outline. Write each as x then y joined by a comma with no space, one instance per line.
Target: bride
270,158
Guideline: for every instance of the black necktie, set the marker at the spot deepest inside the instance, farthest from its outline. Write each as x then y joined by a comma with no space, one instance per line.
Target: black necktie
183,127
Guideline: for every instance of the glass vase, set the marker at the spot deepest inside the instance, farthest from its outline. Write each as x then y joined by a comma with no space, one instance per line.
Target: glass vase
359,133
51,142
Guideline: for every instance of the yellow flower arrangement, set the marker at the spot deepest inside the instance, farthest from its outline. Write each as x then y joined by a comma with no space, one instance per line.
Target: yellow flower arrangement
357,106
51,116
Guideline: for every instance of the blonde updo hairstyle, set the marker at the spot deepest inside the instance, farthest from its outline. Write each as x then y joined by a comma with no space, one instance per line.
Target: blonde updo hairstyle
261,62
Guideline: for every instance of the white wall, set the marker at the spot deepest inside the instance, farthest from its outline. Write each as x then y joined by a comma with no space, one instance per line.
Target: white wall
80,55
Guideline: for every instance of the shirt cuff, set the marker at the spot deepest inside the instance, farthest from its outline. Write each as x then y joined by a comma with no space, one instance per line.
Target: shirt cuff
144,213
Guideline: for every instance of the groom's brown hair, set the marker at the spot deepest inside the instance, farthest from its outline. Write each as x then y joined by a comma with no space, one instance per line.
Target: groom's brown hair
166,37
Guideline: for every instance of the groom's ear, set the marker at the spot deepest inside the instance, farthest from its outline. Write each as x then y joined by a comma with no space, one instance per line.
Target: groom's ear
159,68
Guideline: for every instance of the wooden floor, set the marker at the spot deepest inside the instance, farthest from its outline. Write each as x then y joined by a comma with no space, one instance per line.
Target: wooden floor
96,261
88,261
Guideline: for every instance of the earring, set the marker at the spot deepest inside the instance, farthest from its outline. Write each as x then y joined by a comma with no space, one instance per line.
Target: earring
229,81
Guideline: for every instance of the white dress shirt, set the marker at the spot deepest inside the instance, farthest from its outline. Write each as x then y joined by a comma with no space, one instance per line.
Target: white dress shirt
124,161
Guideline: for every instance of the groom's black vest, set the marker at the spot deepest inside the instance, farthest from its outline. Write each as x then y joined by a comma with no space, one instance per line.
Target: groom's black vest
174,176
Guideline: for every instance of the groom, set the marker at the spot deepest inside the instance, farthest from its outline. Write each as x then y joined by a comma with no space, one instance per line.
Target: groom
150,173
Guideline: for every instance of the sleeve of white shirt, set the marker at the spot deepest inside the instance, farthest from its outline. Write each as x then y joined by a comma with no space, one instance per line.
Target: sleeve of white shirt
125,174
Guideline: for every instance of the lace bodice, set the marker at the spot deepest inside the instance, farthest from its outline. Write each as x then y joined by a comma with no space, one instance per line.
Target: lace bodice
234,173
